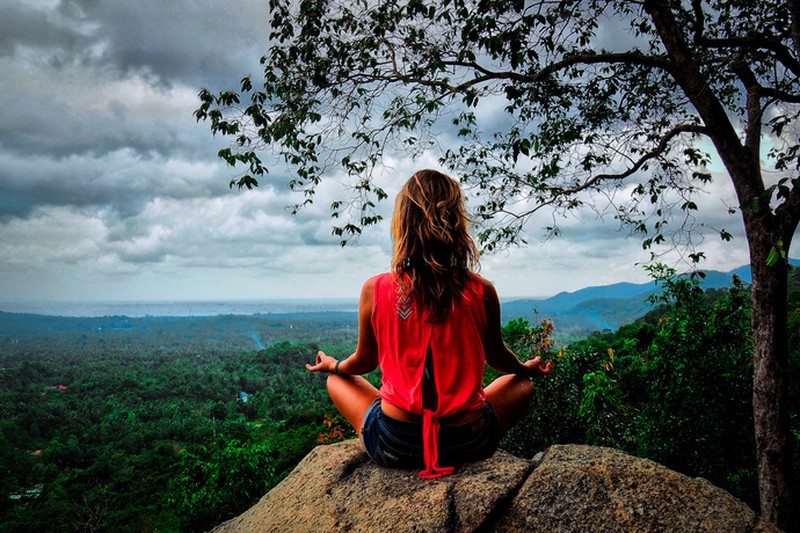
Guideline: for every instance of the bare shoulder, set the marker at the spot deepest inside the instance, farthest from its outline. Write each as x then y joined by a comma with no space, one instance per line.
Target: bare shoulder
488,289
369,285
368,289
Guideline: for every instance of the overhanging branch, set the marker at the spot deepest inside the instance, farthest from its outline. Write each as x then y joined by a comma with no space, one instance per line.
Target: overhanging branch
630,58
487,75
637,165
753,42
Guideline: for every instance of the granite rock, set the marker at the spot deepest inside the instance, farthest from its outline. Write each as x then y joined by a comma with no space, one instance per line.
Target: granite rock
336,488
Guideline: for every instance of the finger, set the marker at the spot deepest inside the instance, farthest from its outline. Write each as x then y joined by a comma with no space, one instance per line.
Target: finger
540,367
536,362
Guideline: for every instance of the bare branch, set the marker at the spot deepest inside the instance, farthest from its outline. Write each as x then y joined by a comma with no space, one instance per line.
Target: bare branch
751,42
777,94
652,154
631,58
755,112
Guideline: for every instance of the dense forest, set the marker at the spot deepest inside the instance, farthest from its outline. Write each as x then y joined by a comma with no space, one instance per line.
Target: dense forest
118,424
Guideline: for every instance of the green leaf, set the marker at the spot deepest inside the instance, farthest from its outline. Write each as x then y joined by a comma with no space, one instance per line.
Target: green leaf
776,253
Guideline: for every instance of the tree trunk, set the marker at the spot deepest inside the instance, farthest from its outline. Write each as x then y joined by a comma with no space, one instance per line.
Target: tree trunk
771,346
769,283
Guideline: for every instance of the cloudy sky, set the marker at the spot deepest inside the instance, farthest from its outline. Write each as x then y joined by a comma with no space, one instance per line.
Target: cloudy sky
109,190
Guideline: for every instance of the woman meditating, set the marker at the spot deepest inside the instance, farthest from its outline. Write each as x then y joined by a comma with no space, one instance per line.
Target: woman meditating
431,324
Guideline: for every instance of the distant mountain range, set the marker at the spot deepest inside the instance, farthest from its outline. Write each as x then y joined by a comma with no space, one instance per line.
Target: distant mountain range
574,314
605,307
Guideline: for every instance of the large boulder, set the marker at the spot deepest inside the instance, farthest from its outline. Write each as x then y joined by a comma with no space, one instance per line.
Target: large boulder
566,488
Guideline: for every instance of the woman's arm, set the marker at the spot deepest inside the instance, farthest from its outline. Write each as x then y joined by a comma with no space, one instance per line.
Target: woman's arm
365,358
498,356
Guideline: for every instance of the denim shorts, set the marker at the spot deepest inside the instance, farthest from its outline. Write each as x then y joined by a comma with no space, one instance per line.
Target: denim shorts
397,443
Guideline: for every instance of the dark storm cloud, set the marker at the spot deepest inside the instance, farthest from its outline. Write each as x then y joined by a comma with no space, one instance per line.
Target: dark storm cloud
183,42
46,126
97,100
28,184
192,43
22,25
55,62
123,181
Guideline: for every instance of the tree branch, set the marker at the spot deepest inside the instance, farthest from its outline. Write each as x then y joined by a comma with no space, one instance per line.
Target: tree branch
777,94
755,112
742,167
652,154
782,53
631,58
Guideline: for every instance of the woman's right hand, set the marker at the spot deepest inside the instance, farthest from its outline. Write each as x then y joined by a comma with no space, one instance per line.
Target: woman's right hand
323,363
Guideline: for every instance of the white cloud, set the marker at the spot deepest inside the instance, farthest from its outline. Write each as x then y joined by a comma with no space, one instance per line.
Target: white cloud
54,235
110,190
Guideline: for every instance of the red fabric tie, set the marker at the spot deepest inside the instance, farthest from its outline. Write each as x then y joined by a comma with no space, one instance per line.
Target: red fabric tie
430,448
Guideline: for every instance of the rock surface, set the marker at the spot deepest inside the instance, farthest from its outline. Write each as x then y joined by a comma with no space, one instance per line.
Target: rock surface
568,488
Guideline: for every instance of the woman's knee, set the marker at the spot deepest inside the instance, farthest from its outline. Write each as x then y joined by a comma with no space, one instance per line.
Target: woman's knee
352,396
510,396
527,387
350,391
511,384
331,377
521,391
339,386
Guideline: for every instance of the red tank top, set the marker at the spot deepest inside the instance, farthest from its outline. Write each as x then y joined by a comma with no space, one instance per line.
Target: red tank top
456,345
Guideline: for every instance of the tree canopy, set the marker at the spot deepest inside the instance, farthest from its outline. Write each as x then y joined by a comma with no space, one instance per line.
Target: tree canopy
585,96
549,103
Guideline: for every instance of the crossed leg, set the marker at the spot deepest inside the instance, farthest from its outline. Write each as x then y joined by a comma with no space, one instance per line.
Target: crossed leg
509,395
352,396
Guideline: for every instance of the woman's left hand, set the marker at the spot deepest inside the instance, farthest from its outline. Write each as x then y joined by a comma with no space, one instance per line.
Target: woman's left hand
323,363
537,367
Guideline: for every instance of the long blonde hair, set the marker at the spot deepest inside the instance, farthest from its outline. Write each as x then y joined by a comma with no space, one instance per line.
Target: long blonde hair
434,253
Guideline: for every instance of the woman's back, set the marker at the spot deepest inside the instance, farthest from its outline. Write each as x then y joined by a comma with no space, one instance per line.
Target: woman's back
407,337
